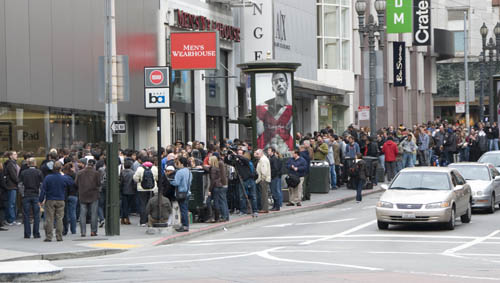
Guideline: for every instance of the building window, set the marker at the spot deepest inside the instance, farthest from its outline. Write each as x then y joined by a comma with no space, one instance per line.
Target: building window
334,34
459,41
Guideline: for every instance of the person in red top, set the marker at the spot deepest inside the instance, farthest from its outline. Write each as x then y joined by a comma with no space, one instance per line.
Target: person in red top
390,149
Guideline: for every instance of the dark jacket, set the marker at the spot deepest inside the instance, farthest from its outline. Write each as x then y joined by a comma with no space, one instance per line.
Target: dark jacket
223,173
127,184
450,142
152,208
32,179
241,164
276,167
54,187
362,170
215,179
372,149
73,189
307,159
44,168
300,163
88,182
11,177
3,191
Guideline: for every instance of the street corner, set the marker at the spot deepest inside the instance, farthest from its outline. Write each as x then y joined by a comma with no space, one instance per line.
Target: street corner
29,271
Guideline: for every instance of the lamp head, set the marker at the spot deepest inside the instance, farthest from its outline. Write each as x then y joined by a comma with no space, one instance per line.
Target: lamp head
483,30
380,6
360,7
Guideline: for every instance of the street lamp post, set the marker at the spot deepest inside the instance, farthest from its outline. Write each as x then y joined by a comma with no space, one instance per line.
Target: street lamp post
370,29
491,46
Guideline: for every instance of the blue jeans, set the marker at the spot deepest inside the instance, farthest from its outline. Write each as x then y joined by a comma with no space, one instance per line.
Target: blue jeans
84,207
493,144
359,189
221,202
333,177
276,192
407,160
102,204
183,206
31,203
10,205
381,159
250,188
70,214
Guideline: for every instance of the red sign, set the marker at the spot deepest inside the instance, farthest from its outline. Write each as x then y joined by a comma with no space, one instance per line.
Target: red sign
194,50
201,23
156,77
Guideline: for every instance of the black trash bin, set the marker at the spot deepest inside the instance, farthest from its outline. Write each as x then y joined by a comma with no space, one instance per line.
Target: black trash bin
196,200
319,177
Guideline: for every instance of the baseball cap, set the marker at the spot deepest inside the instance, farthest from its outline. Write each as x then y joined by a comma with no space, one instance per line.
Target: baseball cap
170,168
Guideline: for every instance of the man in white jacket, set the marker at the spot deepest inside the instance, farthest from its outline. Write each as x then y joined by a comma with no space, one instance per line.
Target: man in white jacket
144,194
264,178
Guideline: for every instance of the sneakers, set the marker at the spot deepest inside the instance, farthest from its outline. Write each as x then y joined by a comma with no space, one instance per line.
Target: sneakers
14,223
255,214
142,225
101,223
182,229
3,229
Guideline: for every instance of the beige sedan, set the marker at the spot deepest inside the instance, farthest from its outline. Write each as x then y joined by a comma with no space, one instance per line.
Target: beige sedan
425,195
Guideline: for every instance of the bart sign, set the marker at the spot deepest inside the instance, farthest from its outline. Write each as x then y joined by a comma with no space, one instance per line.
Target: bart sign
399,16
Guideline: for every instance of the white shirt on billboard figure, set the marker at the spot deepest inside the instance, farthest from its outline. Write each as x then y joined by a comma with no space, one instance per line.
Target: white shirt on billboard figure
274,112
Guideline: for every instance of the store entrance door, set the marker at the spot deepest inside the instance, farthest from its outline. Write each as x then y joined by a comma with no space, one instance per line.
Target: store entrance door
215,128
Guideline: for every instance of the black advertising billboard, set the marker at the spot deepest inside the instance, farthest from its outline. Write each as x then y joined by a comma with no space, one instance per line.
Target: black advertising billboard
399,63
422,22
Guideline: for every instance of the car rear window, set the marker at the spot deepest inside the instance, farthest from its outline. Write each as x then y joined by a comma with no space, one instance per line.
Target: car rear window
421,181
473,172
491,158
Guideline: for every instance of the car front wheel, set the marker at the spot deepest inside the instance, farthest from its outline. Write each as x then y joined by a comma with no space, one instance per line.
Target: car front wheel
468,214
451,224
491,209
382,225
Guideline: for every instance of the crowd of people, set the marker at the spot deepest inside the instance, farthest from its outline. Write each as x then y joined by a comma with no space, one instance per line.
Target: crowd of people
70,186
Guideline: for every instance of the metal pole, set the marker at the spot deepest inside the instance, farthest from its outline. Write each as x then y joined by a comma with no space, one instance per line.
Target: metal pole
112,193
158,138
481,96
466,67
373,83
491,104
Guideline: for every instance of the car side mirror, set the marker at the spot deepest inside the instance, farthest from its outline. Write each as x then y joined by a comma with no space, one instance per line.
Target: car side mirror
384,186
497,178
458,187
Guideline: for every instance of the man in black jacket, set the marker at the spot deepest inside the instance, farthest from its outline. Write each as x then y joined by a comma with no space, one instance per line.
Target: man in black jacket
276,168
31,179
11,171
242,166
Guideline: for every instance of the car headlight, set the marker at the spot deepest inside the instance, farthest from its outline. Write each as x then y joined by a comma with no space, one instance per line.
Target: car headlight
385,204
434,205
479,193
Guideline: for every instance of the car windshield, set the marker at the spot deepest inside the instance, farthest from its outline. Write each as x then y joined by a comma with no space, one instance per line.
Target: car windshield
491,158
473,172
421,181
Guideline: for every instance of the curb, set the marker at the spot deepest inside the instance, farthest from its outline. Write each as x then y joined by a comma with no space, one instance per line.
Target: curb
249,219
43,271
67,255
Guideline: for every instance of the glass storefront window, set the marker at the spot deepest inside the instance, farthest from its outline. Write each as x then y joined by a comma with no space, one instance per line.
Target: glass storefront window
332,25
332,54
38,129
182,84
216,88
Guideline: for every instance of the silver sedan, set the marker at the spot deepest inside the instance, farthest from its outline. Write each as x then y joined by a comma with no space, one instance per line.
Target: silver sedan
484,180
425,195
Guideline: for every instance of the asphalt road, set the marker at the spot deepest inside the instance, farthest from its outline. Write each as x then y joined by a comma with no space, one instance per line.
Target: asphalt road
340,244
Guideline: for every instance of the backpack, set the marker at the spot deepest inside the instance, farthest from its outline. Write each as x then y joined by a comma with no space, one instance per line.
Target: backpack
253,174
292,180
148,180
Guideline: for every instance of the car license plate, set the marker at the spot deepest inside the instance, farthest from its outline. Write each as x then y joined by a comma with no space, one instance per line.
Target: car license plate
409,216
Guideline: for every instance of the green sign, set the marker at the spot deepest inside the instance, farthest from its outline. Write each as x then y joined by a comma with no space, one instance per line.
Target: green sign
399,16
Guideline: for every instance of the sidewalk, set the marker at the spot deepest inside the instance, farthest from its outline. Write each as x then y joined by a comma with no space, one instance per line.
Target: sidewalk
14,247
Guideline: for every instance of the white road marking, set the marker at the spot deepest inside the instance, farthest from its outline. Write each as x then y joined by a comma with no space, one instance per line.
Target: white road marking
451,252
450,275
417,236
166,255
258,238
404,253
346,209
352,230
265,254
369,207
308,223
157,262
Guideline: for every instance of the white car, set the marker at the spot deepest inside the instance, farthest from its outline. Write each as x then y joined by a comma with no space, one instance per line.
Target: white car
425,195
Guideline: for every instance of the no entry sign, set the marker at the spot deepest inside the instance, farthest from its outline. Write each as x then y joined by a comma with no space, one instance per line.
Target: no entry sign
156,76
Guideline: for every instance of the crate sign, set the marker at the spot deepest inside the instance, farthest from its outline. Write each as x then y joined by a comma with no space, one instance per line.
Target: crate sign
399,16
194,50
364,113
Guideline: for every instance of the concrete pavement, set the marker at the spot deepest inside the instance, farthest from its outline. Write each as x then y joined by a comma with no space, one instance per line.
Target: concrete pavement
338,244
